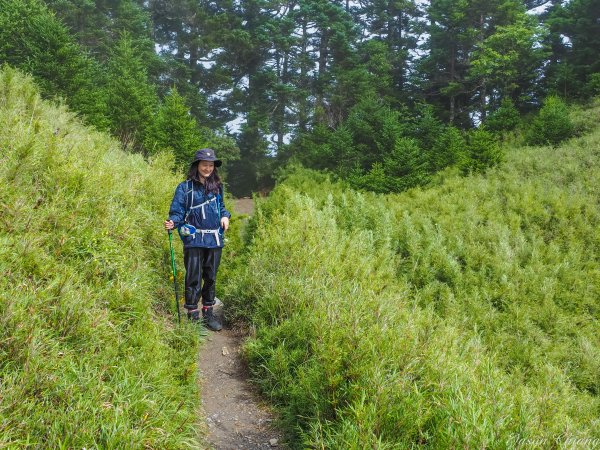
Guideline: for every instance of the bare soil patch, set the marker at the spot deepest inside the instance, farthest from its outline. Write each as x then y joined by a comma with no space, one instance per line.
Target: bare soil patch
244,205
235,416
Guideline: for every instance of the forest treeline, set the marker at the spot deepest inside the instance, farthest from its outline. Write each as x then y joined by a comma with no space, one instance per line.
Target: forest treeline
383,93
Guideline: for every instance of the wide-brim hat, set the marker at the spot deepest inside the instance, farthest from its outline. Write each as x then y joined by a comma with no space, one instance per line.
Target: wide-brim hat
206,154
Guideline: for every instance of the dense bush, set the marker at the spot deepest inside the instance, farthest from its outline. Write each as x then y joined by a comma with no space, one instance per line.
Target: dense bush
89,357
481,152
505,118
175,129
384,150
447,149
593,85
462,316
132,99
552,125
403,168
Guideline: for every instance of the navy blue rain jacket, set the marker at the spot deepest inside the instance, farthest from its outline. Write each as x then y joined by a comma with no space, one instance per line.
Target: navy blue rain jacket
204,211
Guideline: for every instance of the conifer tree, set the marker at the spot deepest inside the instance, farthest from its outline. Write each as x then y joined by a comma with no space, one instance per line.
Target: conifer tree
198,41
33,40
552,124
132,99
473,52
575,33
175,129
396,24
97,26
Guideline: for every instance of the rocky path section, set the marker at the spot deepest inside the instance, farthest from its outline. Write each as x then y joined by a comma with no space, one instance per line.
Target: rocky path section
235,417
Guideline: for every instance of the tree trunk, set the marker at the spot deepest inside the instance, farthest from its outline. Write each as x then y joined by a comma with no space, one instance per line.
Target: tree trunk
320,91
452,75
482,101
302,100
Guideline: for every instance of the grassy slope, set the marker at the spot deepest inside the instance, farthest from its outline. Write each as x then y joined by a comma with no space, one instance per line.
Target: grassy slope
88,357
464,315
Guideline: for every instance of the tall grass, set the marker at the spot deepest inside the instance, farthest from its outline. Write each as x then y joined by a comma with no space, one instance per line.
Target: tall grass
461,316
89,357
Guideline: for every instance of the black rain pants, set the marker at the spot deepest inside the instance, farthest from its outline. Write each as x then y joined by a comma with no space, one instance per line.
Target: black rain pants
201,265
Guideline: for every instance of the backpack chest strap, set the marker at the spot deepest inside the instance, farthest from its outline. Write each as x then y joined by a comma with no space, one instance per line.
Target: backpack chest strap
201,205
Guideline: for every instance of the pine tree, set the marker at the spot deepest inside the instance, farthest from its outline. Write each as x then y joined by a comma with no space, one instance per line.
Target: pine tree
175,129
197,41
476,51
575,28
482,151
97,26
395,23
505,64
552,125
33,40
132,99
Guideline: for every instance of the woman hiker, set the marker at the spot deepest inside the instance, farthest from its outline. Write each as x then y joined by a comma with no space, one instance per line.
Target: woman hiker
199,214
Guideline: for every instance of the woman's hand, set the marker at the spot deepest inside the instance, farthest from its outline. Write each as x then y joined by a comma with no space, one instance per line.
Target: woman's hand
169,225
225,223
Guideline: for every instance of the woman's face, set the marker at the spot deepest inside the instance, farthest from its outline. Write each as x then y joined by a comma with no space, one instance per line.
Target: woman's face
205,168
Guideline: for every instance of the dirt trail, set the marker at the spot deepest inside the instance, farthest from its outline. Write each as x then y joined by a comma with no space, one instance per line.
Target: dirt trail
235,417
244,206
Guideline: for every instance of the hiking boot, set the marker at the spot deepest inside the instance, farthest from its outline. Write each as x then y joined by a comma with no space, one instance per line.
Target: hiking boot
193,315
210,320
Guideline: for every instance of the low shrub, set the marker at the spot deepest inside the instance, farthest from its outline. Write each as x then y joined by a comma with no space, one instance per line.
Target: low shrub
552,125
464,315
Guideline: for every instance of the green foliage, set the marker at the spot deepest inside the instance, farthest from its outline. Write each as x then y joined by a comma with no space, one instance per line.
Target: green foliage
447,149
33,40
505,118
507,59
476,50
585,117
403,168
592,87
462,316
132,99
382,150
368,148
175,129
481,152
575,58
98,27
285,70
90,355
552,125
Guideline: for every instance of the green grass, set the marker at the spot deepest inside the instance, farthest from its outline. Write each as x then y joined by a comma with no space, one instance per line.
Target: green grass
465,315
89,353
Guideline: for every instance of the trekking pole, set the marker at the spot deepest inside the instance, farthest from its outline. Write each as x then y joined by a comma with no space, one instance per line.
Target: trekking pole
174,275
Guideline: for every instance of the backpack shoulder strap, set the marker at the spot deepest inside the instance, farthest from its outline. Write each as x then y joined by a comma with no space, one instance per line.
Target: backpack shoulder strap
187,193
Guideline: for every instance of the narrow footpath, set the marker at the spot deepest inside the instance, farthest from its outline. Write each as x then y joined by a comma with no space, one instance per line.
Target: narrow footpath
235,417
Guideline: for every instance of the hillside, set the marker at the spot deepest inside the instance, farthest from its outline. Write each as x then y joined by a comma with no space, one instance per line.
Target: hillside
465,315
88,354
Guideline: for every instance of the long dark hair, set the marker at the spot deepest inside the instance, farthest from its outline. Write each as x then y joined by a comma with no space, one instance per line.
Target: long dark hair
211,184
